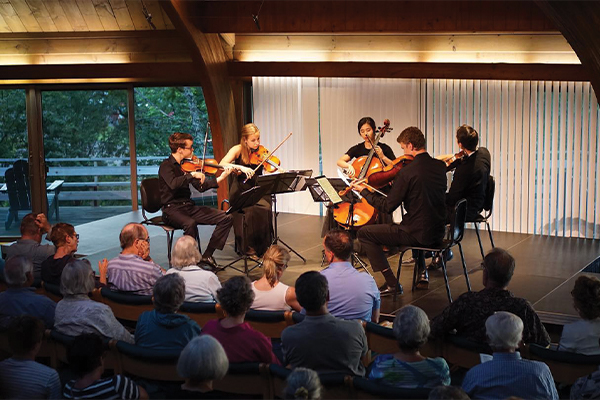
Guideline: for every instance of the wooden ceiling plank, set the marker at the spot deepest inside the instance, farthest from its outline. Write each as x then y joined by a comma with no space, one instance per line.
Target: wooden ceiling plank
106,15
137,15
154,8
74,15
58,15
24,12
4,27
11,17
121,12
90,15
41,14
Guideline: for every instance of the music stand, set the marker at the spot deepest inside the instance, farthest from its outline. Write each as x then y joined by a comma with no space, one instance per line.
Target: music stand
324,189
284,182
246,199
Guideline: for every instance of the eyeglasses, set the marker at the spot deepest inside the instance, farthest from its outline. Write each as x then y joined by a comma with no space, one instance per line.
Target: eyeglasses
189,148
146,239
77,236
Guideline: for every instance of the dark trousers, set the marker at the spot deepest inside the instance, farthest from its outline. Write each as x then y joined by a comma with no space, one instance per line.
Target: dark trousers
373,237
187,216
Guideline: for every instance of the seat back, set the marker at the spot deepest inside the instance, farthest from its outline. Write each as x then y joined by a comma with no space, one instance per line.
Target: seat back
366,389
381,340
566,367
270,323
202,312
457,223
158,365
52,291
150,195
248,379
490,191
463,352
126,306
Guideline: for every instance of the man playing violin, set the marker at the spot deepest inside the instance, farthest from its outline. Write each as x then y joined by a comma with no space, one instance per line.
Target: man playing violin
178,208
421,187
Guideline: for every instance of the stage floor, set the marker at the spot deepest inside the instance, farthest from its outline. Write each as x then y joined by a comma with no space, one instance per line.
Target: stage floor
546,266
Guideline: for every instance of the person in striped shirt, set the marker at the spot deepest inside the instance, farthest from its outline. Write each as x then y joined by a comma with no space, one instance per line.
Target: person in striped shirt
133,270
86,359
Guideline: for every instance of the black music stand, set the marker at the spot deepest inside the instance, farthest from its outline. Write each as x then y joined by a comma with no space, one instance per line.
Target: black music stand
318,188
246,199
285,182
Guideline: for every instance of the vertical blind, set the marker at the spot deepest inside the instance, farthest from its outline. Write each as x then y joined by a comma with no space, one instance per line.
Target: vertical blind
543,137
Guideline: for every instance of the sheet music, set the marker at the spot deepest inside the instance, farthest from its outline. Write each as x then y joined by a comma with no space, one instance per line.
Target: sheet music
334,197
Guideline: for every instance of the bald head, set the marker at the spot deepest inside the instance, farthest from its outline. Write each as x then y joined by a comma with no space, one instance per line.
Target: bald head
130,233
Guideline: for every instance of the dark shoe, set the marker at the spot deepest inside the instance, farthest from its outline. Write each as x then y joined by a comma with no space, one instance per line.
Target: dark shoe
436,263
448,255
385,290
210,262
423,280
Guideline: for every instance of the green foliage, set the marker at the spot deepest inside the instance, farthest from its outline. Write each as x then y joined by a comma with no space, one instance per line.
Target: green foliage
13,124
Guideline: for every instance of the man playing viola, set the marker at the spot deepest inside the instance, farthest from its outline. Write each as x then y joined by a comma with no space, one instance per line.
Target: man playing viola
178,208
421,187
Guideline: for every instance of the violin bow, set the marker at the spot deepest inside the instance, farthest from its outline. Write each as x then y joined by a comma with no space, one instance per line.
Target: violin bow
271,152
205,145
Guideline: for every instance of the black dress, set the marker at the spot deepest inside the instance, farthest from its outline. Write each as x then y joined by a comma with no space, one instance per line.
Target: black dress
253,226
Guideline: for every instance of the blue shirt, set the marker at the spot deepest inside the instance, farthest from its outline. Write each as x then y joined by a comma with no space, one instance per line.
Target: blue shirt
508,375
27,379
165,331
352,294
24,301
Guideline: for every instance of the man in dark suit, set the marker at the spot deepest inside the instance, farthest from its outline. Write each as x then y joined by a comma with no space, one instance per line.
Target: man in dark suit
471,173
421,187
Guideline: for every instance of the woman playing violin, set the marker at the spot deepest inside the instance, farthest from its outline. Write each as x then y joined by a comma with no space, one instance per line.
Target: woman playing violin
258,219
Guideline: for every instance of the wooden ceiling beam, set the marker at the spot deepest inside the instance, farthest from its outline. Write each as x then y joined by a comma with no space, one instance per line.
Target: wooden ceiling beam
550,72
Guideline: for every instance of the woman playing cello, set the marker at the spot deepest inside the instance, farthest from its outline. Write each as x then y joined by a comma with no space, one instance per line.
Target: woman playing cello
257,236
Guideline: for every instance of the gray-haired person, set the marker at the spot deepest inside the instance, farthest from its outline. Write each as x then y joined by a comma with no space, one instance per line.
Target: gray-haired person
200,285
303,383
20,298
162,328
407,368
507,374
202,362
76,313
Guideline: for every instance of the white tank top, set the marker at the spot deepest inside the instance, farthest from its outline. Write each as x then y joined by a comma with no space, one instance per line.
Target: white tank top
270,300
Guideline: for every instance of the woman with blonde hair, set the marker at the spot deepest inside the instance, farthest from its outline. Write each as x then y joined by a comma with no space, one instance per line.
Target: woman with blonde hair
200,285
270,293
254,226
65,239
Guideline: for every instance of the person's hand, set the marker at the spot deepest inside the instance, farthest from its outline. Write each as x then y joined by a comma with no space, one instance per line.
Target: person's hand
248,171
358,185
199,175
103,268
350,171
227,170
379,152
42,222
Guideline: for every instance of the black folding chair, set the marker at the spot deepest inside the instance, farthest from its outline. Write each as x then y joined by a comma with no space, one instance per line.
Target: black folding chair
488,205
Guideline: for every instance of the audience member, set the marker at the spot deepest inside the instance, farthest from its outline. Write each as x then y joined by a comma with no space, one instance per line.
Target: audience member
587,387
352,295
408,368
269,292
240,341
65,240
582,336
162,328
133,270
76,313
200,285
33,227
321,341
20,298
467,314
20,376
303,383
507,374
447,393
202,362
86,360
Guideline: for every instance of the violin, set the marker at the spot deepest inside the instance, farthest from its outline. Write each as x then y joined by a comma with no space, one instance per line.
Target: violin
208,166
381,178
262,156
449,159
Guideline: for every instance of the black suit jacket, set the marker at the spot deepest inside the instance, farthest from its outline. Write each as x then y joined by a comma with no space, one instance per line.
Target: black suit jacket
470,181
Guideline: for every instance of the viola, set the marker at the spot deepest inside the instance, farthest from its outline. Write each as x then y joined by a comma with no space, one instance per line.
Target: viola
261,156
209,166
450,159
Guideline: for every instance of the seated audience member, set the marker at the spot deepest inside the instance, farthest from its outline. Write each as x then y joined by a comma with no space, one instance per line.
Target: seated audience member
162,328
133,270
303,383
33,227
408,368
321,341
269,293
447,393
65,240
201,362
582,336
352,294
586,387
20,298
76,313
240,341
507,374
20,376
86,360
468,313
200,285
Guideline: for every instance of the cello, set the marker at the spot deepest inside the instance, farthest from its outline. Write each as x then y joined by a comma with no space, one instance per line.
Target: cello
351,215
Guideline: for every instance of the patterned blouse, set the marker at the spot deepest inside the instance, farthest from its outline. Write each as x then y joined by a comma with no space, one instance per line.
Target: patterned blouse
428,373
